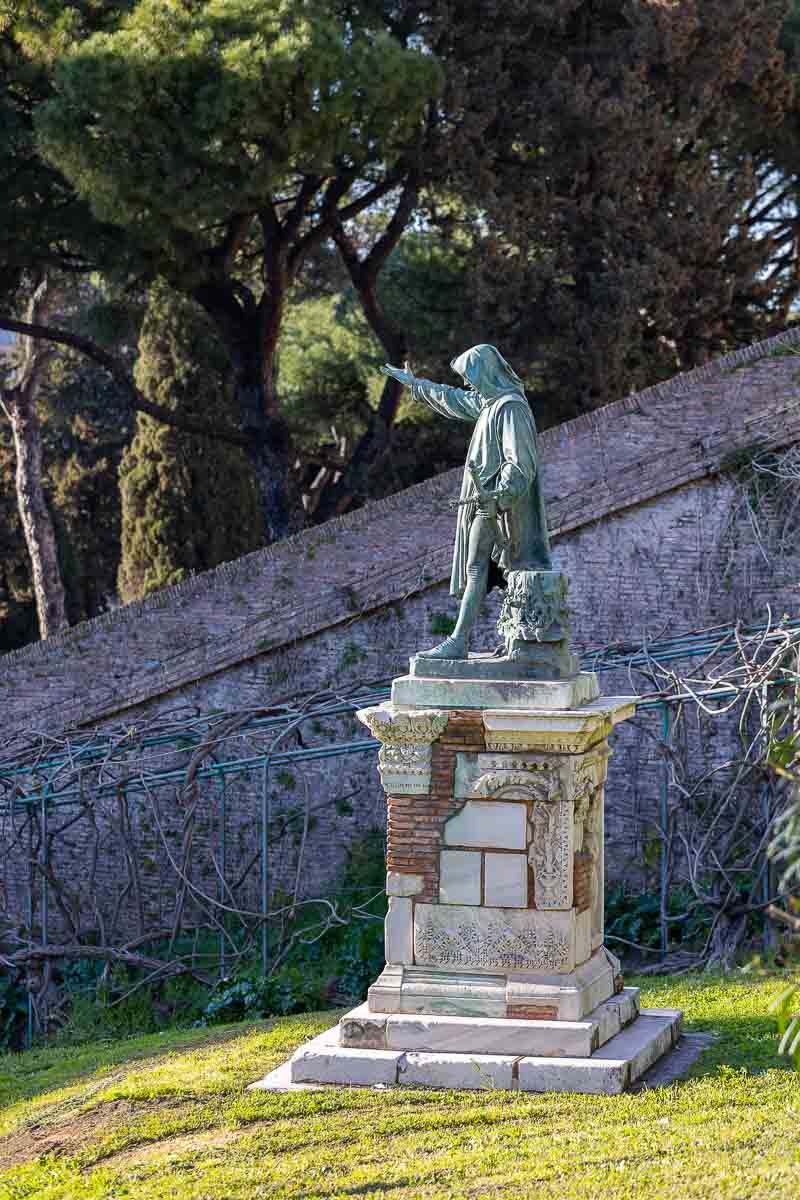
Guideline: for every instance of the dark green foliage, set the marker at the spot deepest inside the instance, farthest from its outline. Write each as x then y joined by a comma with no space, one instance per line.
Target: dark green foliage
188,504
18,623
187,126
618,243
441,623
637,918
87,428
13,1013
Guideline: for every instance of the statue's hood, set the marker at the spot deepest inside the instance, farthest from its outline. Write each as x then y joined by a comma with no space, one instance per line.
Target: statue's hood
488,372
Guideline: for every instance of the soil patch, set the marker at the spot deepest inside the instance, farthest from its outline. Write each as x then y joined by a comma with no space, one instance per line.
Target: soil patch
49,1135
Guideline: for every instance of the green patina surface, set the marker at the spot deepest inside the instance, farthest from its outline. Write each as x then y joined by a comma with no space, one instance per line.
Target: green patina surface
170,1116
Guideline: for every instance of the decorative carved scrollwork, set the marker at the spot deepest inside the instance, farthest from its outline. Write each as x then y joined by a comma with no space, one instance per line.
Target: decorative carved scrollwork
534,607
550,854
466,941
422,726
541,785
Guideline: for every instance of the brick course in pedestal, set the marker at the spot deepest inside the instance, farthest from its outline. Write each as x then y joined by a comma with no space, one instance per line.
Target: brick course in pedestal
415,824
532,1012
582,882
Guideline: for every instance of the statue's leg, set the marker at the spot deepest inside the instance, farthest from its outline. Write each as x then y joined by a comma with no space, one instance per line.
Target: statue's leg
481,542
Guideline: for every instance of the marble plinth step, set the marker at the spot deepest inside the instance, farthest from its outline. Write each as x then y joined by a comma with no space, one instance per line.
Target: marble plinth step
365,1030
548,661
491,693
442,991
619,1064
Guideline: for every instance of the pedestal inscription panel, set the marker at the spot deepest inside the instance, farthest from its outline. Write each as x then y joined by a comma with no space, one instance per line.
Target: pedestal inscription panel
493,939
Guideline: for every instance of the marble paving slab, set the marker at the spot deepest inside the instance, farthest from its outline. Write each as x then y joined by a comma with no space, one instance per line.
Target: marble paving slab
362,1029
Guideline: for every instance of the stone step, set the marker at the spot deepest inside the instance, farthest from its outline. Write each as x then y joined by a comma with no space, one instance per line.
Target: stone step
619,1064
362,1029
623,1059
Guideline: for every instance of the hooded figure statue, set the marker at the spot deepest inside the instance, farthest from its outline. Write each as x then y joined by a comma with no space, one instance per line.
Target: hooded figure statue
501,519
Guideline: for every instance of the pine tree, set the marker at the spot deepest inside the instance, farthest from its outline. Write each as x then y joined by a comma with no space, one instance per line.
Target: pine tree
188,504
615,244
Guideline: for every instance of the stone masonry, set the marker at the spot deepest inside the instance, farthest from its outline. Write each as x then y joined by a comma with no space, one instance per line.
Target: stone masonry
643,507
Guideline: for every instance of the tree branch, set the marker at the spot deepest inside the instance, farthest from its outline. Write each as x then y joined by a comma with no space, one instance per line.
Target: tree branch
396,226
120,373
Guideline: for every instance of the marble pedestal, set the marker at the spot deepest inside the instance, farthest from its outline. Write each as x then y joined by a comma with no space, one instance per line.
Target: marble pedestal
496,973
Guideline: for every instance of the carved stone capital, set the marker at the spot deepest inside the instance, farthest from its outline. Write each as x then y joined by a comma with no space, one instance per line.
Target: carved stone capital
403,728
404,759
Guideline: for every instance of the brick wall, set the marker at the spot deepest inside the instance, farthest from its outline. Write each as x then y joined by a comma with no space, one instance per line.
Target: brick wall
426,815
647,525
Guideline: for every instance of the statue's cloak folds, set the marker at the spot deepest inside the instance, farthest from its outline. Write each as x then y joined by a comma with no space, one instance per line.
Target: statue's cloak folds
504,447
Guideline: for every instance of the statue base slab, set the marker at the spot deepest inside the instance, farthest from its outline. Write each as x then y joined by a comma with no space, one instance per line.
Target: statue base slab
536,997
445,691
536,660
609,1070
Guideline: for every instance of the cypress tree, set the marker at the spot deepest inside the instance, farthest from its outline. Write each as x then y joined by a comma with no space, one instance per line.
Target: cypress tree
188,504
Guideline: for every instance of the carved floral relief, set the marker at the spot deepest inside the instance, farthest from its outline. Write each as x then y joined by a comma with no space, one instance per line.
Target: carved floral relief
463,937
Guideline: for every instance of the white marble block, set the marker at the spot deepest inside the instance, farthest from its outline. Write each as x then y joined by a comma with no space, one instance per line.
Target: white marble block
399,931
494,823
475,1071
506,880
398,883
459,877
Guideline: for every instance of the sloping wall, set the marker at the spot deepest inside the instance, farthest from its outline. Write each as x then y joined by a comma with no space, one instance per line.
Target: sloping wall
648,523
595,469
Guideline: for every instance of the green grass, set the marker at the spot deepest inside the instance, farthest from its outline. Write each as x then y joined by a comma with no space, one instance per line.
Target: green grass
167,1116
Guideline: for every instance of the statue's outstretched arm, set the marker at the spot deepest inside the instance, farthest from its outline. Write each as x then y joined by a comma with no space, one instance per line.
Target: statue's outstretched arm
451,402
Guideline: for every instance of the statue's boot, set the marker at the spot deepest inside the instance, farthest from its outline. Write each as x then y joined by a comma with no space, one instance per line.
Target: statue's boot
452,647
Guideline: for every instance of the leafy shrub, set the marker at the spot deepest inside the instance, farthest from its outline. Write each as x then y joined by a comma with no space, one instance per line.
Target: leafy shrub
334,968
785,1009
637,917
338,967
13,1013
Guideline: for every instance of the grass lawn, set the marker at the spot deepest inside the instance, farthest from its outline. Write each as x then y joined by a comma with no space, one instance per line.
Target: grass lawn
167,1116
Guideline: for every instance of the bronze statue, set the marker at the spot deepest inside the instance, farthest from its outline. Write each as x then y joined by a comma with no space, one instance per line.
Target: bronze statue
501,524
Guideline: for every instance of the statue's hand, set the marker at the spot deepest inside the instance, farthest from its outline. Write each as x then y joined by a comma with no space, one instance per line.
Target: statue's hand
402,376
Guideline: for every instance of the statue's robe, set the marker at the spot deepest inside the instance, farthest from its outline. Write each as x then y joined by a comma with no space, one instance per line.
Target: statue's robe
504,447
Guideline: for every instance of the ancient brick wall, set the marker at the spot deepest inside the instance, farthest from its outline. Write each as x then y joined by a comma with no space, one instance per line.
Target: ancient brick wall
647,522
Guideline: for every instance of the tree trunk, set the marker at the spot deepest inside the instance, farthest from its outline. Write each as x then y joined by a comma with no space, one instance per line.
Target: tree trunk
726,941
250,332
34,513
267,441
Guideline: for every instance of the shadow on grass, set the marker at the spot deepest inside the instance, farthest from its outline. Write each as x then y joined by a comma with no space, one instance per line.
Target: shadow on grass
747,1044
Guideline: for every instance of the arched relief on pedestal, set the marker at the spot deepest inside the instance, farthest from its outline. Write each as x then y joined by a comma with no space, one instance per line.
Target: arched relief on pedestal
518,785
550,825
